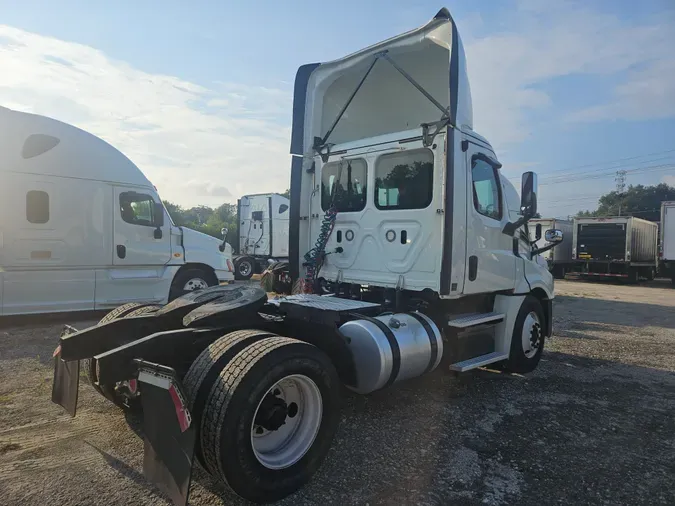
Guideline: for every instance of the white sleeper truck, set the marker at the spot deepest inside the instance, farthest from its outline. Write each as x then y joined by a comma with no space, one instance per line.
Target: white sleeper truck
262,221
408,249
667,242
82,228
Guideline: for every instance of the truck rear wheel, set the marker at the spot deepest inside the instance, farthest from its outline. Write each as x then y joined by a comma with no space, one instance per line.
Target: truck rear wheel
206,368
270,418
90,366
527,342
244,268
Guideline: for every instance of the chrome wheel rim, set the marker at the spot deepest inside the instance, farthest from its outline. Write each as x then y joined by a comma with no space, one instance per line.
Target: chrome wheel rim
286,422
195,284
245,268
531,335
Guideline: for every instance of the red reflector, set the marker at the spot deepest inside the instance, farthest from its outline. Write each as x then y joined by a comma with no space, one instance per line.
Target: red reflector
181,413
57,351
133,386
230,267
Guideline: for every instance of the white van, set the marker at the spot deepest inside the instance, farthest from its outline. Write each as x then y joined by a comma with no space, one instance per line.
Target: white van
81,227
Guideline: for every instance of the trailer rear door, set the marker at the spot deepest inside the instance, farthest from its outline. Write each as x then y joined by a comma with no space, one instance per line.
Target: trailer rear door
601,241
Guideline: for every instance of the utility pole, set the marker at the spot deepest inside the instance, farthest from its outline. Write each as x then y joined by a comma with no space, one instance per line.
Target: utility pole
620,180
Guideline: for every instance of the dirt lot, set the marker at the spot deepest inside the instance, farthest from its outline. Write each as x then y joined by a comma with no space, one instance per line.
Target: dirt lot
595,424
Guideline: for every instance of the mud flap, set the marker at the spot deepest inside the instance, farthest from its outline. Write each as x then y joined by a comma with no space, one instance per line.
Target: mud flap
65,386
169,433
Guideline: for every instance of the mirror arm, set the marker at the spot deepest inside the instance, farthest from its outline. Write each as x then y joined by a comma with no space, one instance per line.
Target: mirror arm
511,227
545,248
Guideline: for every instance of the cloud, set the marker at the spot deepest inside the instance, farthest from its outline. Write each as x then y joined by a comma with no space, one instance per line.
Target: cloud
194,142
510,68
647,93
669,180
207,189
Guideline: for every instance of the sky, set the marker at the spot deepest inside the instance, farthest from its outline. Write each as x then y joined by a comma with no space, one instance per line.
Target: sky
199,94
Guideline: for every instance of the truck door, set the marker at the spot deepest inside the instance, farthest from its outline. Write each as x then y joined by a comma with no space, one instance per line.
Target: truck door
134,242
491,264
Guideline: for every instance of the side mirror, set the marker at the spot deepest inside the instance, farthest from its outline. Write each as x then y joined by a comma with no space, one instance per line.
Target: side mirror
223,232
159,215
528,195
528,203
554,235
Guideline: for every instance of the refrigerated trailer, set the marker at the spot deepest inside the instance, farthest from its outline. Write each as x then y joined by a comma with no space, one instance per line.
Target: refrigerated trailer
558,259
262,222
402,210
619,247
667,242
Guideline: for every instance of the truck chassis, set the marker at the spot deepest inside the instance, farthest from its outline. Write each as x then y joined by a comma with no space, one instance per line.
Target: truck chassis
218,382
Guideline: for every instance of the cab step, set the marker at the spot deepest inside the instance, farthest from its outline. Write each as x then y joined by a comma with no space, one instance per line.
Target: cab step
479,361
464,321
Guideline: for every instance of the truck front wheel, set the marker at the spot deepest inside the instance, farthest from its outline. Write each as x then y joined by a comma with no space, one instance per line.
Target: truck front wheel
190,279
244,268
527,342
270,418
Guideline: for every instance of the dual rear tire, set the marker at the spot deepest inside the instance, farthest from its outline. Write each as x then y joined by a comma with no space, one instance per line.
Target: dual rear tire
266,410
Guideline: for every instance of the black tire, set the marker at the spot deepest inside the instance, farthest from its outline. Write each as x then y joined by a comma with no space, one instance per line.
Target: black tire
650,273
559,272
89,364
518,360
231,406
633,275
205,369
244,268
185,276
108,391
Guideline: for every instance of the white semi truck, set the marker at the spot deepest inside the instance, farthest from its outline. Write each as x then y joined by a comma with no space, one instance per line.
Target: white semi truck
667,240
262,220
82,228
401,217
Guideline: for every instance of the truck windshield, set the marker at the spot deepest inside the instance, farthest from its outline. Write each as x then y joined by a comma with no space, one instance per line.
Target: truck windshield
343,185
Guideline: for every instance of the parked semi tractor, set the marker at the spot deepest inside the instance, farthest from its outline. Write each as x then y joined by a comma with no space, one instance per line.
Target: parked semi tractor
262,221
402,210
620,247
558,259
667,242
82,228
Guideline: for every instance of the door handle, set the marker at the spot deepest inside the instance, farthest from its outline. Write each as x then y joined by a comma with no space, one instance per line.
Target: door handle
121,250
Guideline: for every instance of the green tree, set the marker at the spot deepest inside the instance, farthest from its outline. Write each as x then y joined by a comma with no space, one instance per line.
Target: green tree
638,200
287,194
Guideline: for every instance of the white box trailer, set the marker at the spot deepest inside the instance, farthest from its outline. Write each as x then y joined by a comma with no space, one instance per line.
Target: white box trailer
400,211
82,228
559,259
667,240
262,222
620,247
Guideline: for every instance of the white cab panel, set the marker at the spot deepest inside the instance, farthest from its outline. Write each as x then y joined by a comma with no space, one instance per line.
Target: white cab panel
491,264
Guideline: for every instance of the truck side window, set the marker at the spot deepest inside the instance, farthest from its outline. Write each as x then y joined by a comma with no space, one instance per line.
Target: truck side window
404,180
344,184
37,207
486,190
283,208
137,208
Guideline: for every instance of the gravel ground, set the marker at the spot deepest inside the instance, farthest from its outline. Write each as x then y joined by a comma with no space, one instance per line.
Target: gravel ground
593,425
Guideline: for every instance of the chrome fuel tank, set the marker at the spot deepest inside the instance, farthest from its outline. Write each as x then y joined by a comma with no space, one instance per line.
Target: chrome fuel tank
391,348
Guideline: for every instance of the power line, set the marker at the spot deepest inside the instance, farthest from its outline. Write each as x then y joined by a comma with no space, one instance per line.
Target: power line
639,170
611,163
